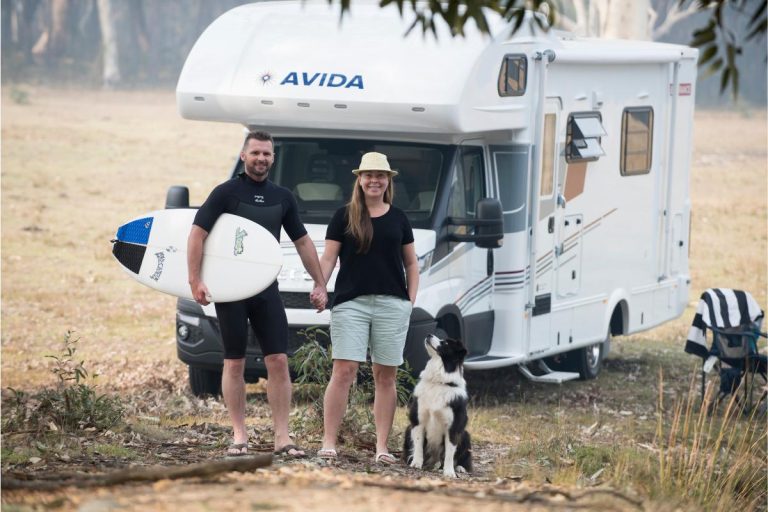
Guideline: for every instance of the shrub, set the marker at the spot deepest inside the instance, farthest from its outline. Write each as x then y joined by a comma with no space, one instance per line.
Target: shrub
72,404
313,365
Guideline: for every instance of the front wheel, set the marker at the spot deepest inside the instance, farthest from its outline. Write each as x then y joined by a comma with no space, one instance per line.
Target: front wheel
204,382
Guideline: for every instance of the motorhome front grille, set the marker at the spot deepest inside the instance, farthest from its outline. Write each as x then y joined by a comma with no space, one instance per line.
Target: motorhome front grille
299,300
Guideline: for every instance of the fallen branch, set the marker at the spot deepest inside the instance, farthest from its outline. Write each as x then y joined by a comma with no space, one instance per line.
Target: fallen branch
538,496
142,474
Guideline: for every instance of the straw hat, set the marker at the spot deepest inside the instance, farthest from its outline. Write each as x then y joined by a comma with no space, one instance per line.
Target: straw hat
374,162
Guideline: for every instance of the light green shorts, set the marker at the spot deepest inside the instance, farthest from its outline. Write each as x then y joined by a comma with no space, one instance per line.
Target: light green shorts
376,321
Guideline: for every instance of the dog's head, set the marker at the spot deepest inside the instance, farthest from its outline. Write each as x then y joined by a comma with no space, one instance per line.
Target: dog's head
451,352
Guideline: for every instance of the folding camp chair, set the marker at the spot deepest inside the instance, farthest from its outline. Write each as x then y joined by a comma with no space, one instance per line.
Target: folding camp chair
735,354
735,318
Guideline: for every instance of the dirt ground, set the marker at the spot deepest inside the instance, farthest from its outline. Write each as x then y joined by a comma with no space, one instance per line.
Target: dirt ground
77,165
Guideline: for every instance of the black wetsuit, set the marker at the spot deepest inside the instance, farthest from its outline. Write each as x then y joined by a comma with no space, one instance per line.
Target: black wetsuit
272,207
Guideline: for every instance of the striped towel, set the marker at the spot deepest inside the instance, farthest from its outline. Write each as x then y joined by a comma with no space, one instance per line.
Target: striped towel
720,308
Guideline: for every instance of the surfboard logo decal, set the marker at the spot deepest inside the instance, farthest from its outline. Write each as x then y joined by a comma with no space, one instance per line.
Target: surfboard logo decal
239,235
159,269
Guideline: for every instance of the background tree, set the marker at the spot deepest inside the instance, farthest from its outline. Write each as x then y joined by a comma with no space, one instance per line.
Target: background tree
719,42
139,43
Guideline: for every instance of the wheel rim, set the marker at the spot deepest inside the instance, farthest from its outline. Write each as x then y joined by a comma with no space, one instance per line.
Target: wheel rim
593,355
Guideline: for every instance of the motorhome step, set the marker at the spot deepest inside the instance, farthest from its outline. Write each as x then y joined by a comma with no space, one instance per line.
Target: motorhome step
553,377
486,362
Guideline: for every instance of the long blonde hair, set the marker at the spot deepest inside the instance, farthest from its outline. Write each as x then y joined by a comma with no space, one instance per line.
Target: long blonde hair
359,225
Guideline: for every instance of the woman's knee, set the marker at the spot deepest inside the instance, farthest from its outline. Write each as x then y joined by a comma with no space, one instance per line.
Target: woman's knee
384,376
344,372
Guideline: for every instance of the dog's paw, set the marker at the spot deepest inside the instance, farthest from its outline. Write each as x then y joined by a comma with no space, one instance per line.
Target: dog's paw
416,463
460,469
449,472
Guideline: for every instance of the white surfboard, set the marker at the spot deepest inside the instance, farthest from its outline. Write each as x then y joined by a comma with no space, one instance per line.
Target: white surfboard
240,258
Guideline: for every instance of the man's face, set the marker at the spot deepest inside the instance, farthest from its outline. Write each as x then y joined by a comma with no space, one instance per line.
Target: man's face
258,157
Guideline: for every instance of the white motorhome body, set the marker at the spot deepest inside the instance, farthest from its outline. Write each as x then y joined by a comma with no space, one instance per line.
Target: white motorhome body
585,143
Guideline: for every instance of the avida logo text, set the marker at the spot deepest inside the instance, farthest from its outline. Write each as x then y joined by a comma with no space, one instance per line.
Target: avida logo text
323,80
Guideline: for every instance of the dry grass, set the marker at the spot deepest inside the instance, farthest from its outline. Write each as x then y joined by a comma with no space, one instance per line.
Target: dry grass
76,165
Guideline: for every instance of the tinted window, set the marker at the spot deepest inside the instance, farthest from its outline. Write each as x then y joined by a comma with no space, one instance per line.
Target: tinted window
636,140
513,75
319,173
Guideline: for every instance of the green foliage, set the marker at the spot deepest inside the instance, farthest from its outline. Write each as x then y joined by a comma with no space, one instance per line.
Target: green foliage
114,451
313,364
716,39
72,404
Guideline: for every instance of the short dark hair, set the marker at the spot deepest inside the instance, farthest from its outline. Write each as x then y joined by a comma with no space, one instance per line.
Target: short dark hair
258,135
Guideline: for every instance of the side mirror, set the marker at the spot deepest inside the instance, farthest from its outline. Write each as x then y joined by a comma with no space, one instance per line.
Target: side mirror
177,197
489,223
491,232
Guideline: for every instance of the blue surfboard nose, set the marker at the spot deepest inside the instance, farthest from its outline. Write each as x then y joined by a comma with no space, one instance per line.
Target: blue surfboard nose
135,232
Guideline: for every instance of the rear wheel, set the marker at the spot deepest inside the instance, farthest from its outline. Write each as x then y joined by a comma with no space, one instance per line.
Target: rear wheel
204,382
586,361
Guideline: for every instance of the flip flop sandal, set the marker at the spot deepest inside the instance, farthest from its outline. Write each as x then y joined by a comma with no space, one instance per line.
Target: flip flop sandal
237,450
327,453
286,451
385,458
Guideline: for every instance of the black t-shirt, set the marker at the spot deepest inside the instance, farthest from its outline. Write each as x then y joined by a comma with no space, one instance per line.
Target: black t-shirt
379,271
263,202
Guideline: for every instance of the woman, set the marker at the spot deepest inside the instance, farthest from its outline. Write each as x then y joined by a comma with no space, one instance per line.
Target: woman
373,298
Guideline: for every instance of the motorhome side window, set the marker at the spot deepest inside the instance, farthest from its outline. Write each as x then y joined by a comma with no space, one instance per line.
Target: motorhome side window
548,156
513,75
583,137
636,140
467,185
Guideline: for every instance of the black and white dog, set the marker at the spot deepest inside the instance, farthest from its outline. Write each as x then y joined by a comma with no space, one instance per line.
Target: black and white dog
438,411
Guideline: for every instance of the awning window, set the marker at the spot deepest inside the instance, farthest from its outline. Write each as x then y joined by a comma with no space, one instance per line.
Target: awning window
583,137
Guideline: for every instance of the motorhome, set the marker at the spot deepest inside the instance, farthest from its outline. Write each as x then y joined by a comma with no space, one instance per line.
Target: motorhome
546,176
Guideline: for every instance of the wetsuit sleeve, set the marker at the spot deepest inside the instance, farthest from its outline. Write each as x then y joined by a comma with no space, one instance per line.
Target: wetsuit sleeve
209,212
337,226
291,220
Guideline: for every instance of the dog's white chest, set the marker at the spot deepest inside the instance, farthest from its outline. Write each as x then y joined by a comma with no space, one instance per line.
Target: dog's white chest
435,412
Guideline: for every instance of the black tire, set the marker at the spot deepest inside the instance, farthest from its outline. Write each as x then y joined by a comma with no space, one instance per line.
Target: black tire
204,382
586,361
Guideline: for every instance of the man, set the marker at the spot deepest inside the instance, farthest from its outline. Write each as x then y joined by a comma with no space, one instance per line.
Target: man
253,196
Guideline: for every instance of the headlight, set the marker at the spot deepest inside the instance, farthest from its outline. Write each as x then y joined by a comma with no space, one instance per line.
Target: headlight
183,331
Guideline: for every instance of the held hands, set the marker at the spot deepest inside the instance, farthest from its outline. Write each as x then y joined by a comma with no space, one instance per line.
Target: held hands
319,297
200,293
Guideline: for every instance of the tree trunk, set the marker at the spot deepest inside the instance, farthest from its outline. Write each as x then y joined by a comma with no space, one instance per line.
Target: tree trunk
627,19
111,65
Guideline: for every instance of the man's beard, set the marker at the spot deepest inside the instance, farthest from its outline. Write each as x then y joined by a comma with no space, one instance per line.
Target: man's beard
256,171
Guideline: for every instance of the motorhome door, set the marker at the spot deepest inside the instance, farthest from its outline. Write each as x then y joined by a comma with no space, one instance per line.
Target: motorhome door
545,225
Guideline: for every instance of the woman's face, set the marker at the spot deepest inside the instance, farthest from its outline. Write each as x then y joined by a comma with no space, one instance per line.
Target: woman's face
374,183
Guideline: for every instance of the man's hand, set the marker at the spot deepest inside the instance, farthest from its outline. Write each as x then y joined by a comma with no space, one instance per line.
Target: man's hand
200,293
319,297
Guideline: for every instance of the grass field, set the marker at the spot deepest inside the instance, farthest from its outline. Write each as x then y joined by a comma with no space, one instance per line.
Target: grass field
76,165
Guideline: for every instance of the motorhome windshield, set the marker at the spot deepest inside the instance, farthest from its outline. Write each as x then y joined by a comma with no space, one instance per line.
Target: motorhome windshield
319,173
